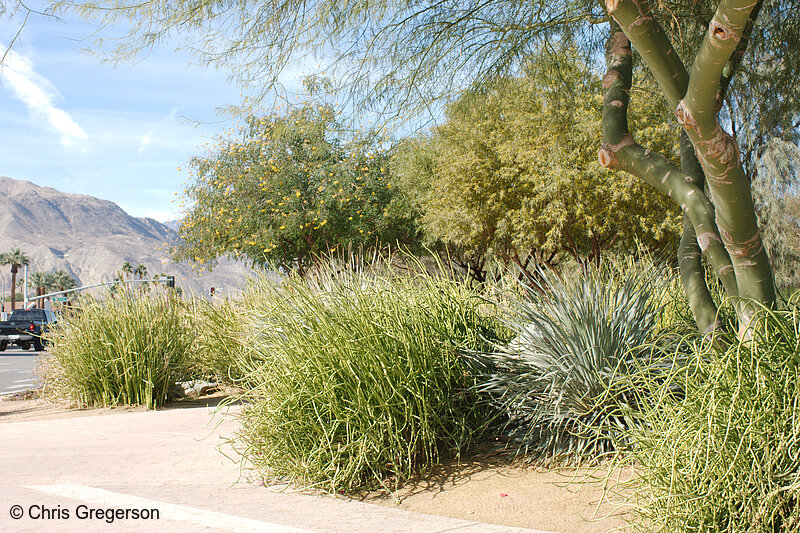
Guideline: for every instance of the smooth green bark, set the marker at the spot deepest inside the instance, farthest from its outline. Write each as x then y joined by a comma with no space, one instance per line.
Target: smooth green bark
621,151
693,279
727,229
719,152
690,263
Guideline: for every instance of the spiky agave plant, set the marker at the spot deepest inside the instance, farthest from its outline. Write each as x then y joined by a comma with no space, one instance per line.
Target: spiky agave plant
568,379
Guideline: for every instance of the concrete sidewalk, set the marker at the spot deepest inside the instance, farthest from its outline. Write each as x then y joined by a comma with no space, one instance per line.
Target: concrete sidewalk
169,469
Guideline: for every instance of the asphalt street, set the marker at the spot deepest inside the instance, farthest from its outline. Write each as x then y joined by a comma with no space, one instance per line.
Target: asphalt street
16,370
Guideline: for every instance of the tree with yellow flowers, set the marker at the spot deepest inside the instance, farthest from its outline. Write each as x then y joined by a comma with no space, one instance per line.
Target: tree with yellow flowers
286,189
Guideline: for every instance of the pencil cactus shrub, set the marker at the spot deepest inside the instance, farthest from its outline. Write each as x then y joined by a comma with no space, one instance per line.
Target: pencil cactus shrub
218,341
360,380
125,349
568,382
724,456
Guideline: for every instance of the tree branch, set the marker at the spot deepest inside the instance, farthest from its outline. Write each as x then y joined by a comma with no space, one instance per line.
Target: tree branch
621,151
734,216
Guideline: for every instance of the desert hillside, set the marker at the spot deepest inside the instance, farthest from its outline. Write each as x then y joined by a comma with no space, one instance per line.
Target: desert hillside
91,239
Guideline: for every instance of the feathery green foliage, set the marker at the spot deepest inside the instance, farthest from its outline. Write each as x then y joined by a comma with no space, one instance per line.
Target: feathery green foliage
776,193
513,172
126,349
725,456
568,381
359,378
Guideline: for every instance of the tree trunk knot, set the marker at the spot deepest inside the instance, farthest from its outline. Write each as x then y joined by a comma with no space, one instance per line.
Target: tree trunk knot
640,21
606,156
685,118
610,77
620,45
721,146
704,240
724,270
722,32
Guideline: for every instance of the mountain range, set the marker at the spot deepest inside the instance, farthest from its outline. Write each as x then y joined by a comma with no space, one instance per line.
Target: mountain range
91,238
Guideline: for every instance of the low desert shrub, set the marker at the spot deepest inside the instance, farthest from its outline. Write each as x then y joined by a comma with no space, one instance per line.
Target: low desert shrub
126,349
219,338
568,380
725,456
360,378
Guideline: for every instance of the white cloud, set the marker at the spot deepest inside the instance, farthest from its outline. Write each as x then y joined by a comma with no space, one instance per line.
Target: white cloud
36,92
145,143
161,216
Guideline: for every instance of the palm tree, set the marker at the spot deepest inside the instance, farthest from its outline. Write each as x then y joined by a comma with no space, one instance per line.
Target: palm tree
16,259
43,282
140,271
63,280
127,268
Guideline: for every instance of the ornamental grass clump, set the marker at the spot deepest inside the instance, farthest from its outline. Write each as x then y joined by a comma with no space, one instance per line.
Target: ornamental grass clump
725,456
129,348
360,379
568,380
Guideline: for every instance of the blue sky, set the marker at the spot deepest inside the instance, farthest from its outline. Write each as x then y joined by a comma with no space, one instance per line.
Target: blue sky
118,133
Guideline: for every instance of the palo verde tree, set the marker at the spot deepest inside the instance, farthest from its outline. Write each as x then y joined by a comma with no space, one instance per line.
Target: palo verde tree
287,189
403,57
721,224
513,172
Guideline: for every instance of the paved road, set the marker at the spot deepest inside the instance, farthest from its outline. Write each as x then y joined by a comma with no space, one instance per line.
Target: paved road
167,467
16,370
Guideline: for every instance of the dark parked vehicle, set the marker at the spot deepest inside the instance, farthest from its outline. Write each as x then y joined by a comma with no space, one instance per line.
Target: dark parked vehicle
25,328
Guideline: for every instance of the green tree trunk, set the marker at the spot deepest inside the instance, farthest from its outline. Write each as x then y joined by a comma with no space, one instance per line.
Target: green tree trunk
724,225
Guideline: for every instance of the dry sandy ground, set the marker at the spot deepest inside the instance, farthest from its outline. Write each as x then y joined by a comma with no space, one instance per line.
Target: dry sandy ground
516,495
485,490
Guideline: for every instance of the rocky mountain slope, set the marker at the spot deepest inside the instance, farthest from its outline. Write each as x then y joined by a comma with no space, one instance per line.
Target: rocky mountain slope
91,239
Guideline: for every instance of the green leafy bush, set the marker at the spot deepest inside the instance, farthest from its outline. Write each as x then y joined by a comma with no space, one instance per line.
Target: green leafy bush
126,349
361,379
568,380
725,456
